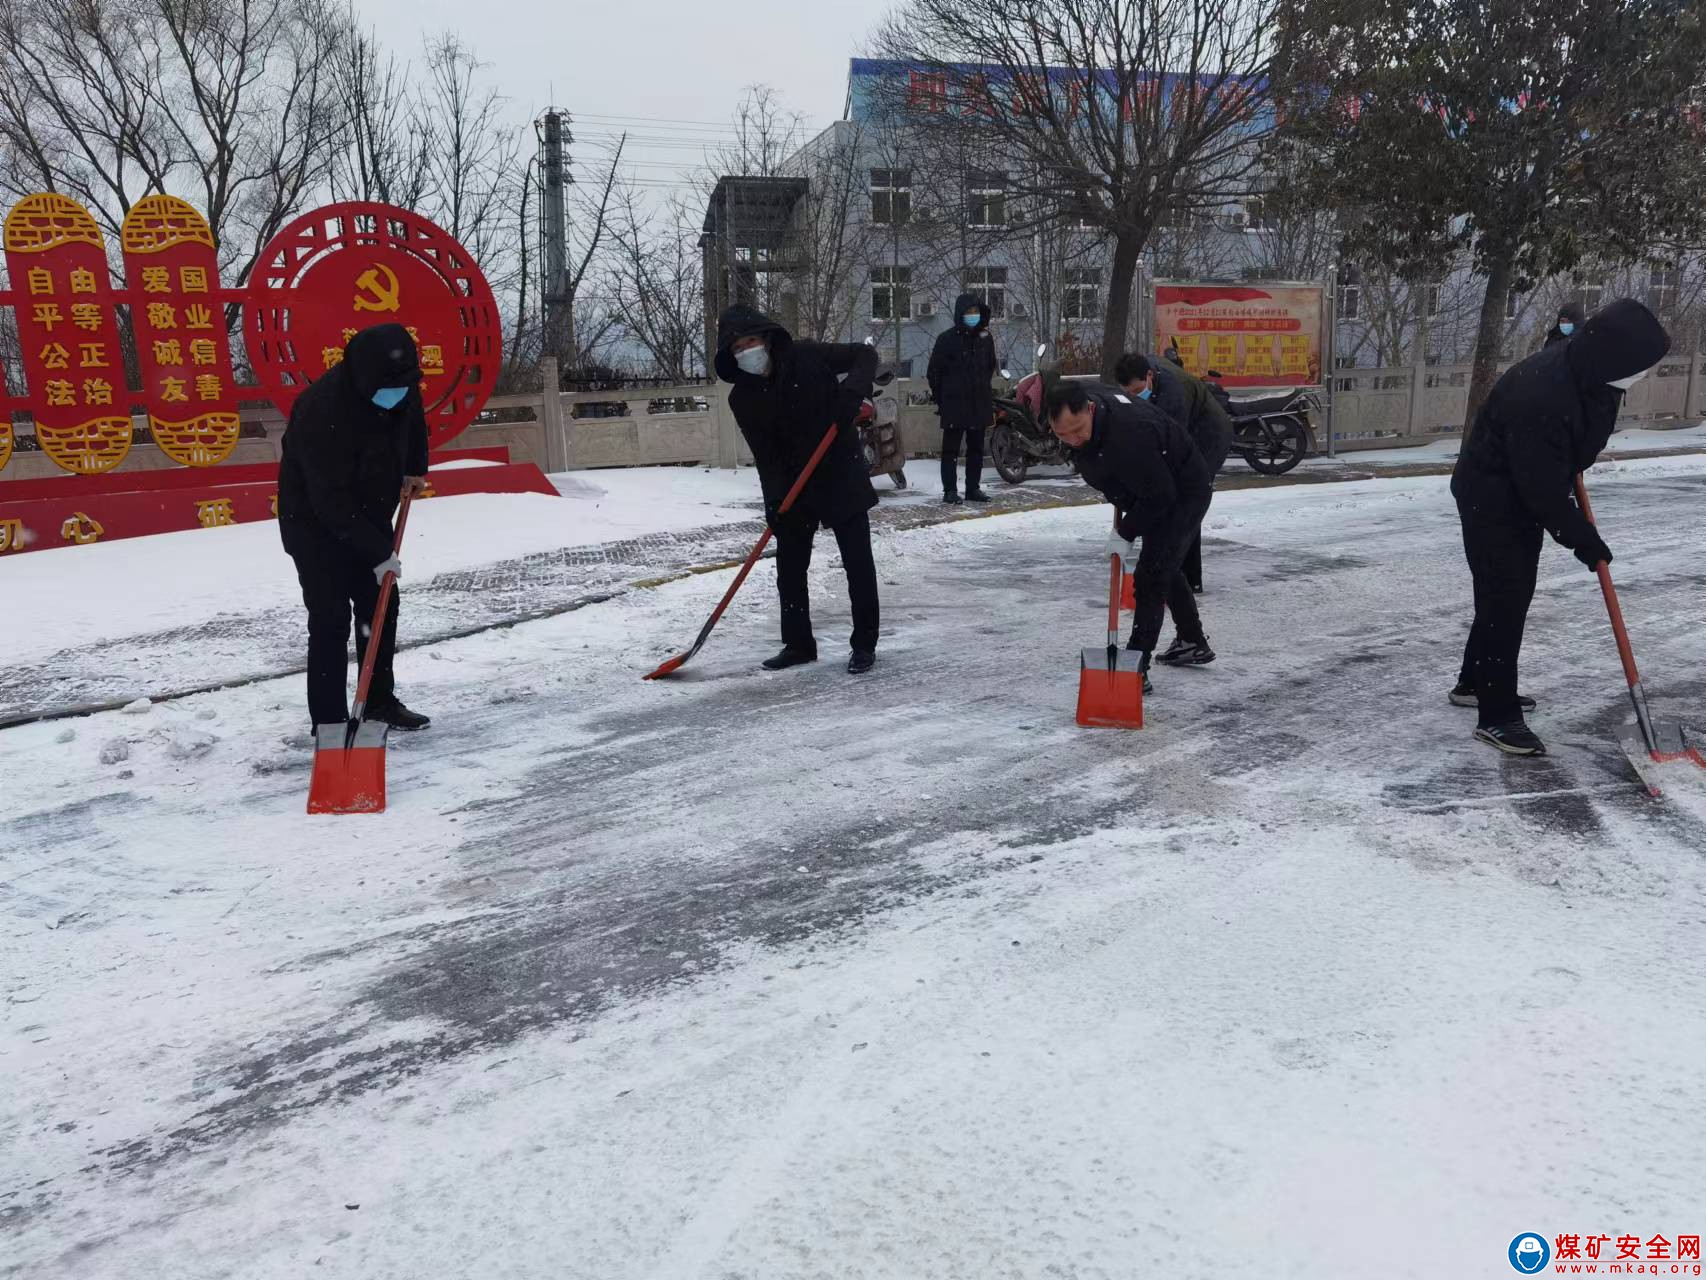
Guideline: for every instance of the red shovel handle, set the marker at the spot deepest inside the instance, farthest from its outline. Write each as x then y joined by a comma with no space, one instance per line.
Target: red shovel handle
1625,651
370,656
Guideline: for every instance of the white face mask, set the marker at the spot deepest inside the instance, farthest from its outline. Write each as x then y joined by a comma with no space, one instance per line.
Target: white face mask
754,360
1623,384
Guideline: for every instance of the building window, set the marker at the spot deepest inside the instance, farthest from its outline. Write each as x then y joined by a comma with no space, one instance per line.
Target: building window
1589,294
990,284
1350,293
926,90
891,196
1513,304
1432,300
1256,215
891,293
986,200
1081,296
1664,289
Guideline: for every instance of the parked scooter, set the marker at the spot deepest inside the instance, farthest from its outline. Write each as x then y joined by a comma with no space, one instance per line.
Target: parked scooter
879,439
1019,439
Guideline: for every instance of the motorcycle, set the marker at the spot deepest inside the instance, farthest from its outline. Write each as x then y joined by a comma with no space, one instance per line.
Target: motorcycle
1018,441
1273,433
880,442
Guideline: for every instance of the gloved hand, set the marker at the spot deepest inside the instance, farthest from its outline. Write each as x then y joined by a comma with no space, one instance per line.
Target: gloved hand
393,565
867,413
1593,553
1121,547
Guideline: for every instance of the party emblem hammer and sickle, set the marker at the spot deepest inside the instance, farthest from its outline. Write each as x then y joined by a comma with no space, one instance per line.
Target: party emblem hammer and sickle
379,289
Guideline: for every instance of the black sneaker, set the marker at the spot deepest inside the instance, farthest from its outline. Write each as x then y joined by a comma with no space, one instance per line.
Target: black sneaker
1143,666
976,495
1184,653
789,657
951,499
1514,739
1464,696
398,716
861,662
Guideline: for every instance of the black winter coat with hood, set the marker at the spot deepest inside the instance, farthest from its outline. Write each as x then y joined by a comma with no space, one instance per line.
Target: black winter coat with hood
1189,401
1571,311
784,414
1141,459
1548,418
343,458
962,367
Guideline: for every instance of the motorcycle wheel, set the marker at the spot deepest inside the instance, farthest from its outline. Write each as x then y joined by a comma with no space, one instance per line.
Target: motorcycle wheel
1009,460
1280,448
899,478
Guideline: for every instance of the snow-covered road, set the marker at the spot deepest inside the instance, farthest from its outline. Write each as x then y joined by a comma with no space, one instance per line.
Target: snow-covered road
800,975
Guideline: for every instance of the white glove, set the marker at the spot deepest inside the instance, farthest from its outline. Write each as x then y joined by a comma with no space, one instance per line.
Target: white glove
395,566
1121,547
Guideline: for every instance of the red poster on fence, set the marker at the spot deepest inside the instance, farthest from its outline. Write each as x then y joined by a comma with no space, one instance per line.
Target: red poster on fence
1251,335
181,344
58,264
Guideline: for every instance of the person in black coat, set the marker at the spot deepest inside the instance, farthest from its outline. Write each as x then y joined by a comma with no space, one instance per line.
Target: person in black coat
1570,317
1148,466
1192,403
962,367
1545,420
355,443
785,395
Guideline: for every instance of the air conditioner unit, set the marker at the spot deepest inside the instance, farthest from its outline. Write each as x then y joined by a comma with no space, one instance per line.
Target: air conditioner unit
923,310
1017,311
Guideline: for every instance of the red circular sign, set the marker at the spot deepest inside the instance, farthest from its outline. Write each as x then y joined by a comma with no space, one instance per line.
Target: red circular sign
348,266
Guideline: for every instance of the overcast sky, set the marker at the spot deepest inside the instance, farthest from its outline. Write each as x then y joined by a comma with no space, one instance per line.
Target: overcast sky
669,71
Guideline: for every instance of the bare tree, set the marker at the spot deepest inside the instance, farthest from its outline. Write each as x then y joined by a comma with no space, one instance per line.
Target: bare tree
1125,109
658,283
388,140
232,104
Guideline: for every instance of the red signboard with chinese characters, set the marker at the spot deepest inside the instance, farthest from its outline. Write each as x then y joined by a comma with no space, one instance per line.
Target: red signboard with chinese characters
1251,335
348,266
182,347
57,259
325,276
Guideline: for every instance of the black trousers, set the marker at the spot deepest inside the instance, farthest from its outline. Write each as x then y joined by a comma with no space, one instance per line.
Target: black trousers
1158,580
338,588
794,557
951,437
1193,562
1504,559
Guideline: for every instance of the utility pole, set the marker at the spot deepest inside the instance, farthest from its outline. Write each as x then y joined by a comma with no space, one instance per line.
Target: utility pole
552,130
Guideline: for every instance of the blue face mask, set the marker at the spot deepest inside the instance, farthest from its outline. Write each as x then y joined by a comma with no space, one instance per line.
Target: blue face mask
390,397
1566,328
1146,393
973,320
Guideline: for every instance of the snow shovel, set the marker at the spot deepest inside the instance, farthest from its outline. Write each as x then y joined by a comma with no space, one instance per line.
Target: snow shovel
674,664
1110,681
1646,742
349,759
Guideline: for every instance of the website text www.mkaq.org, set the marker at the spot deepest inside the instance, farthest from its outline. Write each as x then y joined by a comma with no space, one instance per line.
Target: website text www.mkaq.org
1630,1268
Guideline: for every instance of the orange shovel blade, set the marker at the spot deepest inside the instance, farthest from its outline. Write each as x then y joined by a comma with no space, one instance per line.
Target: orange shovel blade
1109,699
348,779
672,664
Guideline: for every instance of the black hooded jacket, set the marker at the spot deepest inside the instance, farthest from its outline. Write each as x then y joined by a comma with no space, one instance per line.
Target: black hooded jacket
784,415
1190,402
1141,459
962,365
1571,311
343,458
1547,418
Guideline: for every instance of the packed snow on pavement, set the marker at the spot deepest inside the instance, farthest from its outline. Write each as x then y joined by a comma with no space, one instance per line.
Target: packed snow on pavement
802,975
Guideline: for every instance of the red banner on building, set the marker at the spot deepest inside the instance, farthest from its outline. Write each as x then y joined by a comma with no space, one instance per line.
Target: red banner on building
182,347
57,259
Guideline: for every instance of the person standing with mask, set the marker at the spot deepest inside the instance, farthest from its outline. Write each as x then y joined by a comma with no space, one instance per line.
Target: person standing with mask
785,395
1545,420
356,443
962,368
1570,317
